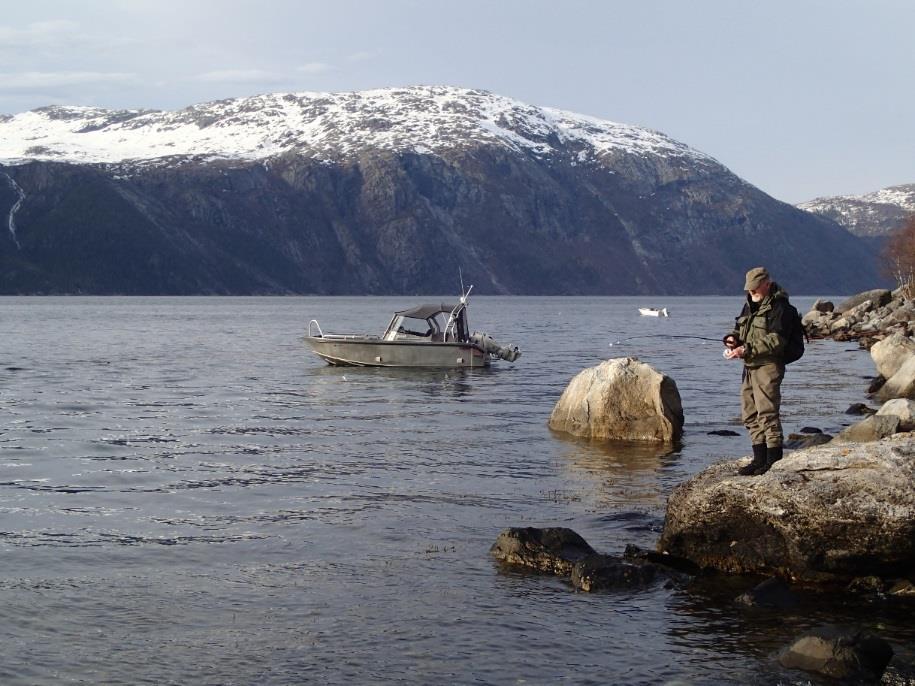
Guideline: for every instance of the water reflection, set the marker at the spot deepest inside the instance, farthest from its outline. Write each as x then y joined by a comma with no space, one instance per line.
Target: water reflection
454,383
621,473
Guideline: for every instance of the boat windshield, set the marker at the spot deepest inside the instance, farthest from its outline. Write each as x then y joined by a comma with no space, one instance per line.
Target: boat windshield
406,328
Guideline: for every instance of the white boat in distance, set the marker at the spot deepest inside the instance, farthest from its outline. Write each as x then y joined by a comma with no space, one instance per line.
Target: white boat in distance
653,312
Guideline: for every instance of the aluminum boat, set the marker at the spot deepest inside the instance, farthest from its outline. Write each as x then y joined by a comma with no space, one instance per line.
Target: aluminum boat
428,335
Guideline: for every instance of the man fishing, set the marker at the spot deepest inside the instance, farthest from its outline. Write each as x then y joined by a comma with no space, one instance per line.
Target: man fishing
759,339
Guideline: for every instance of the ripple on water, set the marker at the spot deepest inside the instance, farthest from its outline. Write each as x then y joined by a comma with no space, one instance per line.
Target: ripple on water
184,480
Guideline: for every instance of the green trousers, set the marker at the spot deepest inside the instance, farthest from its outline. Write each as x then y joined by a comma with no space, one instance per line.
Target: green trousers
760,400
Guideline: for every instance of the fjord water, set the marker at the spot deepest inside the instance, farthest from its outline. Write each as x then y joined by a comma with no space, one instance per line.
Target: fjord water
189,496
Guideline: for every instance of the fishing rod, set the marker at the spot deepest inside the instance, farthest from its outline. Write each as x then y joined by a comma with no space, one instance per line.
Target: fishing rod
666,335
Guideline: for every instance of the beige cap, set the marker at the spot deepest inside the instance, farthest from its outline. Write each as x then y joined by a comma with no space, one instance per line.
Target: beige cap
755,277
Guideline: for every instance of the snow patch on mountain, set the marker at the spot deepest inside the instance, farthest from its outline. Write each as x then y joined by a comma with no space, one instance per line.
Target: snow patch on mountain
324,126
872,214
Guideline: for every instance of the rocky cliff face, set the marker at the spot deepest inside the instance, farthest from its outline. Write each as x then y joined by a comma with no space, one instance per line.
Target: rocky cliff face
388,192
874,215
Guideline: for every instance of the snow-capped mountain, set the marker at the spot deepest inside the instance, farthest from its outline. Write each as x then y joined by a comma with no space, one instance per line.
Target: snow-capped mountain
388,191
324,126
872,215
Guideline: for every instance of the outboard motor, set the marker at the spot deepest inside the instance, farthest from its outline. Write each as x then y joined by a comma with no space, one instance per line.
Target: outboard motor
509,353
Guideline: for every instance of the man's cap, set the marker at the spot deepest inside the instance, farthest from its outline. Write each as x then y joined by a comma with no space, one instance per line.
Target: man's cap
755,277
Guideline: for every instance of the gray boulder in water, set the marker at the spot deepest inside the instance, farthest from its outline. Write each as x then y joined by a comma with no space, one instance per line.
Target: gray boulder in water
554,550
620,399
828,513
841,653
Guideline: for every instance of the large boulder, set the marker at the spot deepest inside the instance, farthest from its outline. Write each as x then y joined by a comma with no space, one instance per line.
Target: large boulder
873,428
879,297
891,353
902,408
899,385
833,512
620,399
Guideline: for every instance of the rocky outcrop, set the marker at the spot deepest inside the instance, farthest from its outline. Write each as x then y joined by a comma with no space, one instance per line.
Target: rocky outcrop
620,399
827,513
868,317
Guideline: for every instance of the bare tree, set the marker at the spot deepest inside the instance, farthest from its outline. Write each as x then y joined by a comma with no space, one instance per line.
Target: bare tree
899,257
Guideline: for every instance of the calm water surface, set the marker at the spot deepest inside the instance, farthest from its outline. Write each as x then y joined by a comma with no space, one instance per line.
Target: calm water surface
188,496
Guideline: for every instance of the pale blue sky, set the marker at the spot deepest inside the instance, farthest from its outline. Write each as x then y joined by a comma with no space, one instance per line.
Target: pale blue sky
802,98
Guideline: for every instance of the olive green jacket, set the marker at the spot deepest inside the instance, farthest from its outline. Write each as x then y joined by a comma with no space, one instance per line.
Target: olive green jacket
760,328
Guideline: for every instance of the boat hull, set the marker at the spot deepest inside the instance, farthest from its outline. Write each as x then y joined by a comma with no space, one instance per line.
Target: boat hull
353,352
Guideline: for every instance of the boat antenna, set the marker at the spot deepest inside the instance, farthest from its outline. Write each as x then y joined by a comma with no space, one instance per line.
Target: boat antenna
464,293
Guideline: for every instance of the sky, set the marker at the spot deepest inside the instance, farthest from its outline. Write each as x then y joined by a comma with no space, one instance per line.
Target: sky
802,98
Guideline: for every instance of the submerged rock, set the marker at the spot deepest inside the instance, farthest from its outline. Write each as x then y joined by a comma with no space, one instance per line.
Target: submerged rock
620,399
840,653
772,593
607,572
553,550
833,512
860,409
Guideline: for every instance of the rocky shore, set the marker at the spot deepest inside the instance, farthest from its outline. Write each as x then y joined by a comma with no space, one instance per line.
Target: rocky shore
835,515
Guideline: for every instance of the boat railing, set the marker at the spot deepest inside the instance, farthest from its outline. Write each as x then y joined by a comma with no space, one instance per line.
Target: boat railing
317,326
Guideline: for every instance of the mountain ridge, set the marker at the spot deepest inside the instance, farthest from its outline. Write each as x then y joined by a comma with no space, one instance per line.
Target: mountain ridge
389,191
872,215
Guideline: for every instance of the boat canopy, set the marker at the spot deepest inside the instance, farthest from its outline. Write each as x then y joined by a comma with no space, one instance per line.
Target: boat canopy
425,311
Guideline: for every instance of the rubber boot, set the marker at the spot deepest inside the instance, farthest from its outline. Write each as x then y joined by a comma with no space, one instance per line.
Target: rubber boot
773,455
759,461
